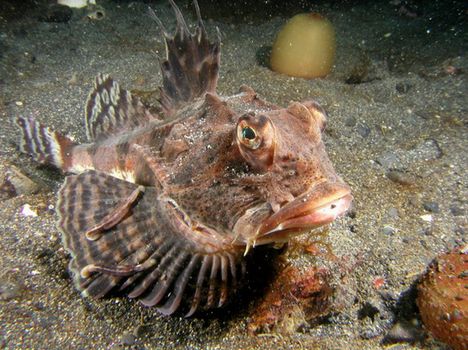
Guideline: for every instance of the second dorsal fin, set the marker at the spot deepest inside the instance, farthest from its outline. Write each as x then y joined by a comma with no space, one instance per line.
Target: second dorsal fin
191,65
111,109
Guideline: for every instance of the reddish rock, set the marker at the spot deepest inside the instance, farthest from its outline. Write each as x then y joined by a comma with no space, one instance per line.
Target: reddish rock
294,299
443,298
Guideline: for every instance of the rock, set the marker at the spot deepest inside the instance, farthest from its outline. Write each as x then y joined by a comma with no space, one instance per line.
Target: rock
363,130
128,339
16,183
428,150
350,121
368,310
403,87
9,290
393,213
388,230
401,177
294,299
401,159
403,332
457,210
443,300
432,207
389,160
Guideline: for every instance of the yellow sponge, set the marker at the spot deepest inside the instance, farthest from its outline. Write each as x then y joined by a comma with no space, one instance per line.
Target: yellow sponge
305,47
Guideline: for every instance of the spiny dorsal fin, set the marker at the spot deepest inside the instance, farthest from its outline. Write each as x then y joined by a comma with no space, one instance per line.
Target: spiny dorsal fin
191,65
111,109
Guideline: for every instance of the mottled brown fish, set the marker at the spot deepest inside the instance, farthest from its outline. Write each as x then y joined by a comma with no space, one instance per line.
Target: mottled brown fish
165,207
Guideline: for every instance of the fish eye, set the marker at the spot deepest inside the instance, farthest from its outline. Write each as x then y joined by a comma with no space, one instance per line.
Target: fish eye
255,138
248,133
248,136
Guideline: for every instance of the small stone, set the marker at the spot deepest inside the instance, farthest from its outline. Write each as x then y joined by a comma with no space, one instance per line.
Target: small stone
368,311
16,183
388,230
388,295
9,290
350,121
427,231
402,332
141,331
392,213
456,210
363,130
389,161
27,211
427,217
402,87
432,207
428,150
128,339
401,177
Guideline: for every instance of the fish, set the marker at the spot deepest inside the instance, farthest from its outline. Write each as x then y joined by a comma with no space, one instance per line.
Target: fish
166,207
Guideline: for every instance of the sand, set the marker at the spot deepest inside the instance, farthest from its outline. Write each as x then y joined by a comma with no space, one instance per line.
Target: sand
397,133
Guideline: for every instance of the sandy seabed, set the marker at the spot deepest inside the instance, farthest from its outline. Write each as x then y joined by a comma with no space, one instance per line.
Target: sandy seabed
397,133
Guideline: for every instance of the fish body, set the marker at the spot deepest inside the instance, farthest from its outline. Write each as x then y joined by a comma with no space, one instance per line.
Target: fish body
165,207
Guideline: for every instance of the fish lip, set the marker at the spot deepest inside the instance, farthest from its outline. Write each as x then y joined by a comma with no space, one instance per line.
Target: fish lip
317,207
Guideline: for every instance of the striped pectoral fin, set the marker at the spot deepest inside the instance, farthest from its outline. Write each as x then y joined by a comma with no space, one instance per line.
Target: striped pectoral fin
120,236
44,145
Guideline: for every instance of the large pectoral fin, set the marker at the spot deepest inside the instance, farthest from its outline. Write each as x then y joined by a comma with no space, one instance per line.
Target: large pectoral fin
122,235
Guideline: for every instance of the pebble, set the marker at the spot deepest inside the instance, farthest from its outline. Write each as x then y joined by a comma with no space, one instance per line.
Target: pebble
392,213
368,310
403,87
400,159
16,183
363,130
457,210
9,290
427,217
389,160
27,211
428,150
402,332
350,121
432,207
388,230
401,177
128,338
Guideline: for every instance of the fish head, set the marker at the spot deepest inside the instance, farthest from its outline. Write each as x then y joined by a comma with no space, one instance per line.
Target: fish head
261,175
298,185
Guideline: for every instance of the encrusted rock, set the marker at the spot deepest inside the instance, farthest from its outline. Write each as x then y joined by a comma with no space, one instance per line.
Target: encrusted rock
443,298
294,299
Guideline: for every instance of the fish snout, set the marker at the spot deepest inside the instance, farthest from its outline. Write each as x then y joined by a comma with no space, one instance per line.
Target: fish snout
319,206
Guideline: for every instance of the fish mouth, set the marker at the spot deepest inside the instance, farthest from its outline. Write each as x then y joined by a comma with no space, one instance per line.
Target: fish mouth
319,206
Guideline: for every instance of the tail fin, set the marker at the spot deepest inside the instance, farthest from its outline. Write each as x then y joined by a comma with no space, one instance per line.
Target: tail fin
44,145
